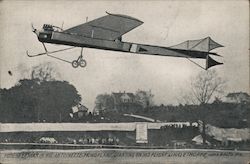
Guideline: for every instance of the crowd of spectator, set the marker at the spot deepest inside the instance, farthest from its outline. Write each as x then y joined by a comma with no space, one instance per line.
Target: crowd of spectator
92,140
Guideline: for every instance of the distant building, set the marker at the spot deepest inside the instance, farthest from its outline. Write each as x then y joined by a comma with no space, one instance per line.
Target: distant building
144,98
79,111
123,97
115,99
237,97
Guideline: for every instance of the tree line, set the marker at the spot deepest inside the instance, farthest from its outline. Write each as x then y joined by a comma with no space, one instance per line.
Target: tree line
40,98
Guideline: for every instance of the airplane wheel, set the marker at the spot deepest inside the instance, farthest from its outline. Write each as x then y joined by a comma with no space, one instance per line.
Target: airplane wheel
75,64
82,63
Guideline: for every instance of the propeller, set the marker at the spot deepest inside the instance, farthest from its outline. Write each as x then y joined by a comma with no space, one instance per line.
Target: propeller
34,29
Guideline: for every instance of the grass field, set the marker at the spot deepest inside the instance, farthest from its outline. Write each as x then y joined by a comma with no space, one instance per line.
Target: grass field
122,156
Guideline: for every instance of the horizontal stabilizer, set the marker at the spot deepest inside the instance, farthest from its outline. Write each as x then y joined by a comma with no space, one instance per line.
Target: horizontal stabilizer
211,62
213,53
206,44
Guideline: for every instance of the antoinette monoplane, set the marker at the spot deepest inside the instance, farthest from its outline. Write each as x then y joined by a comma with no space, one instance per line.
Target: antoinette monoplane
106,33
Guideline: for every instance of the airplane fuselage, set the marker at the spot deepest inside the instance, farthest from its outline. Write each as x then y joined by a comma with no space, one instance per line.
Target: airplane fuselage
56,37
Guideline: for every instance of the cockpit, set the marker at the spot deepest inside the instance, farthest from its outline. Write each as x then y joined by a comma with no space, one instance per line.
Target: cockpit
48,27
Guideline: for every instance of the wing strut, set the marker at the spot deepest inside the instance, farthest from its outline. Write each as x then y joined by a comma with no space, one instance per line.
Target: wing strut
75,63
196,63
48,53
58,58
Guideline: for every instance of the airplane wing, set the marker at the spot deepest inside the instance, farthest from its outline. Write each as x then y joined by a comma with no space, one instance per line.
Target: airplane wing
109,27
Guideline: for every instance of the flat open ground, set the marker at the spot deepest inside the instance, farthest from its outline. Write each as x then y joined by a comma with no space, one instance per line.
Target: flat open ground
122,156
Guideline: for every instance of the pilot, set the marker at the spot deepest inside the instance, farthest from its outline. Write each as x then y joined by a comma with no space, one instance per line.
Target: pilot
48,27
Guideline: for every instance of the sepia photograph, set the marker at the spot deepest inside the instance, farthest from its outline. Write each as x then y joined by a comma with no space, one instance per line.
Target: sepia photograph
115,81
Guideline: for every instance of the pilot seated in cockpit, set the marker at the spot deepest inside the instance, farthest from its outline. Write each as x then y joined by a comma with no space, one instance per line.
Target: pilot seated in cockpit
47,27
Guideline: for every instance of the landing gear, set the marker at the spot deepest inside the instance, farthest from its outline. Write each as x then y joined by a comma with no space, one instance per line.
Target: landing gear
79,62
75,63
82,63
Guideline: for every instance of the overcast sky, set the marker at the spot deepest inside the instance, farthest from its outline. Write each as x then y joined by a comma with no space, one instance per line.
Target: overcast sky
166,23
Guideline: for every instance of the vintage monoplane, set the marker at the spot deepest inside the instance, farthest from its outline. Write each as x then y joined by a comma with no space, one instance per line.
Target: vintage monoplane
106,33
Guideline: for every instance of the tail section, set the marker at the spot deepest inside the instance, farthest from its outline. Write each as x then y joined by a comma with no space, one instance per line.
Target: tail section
210,62
204,45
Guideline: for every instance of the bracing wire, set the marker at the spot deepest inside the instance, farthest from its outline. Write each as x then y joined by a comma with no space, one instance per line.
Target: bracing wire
195,63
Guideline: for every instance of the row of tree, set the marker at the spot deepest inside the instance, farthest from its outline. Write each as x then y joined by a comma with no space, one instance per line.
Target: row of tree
129,102
41,98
